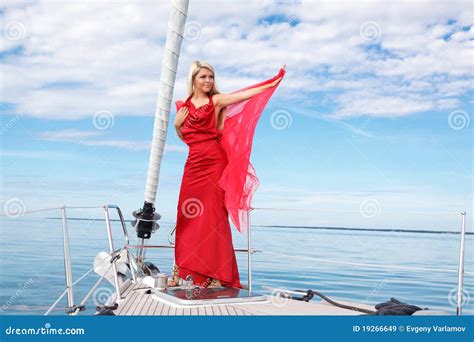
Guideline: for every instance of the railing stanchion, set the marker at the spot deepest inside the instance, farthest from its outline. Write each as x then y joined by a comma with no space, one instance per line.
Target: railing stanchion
130,257
112,249
67,259
249,253
461,266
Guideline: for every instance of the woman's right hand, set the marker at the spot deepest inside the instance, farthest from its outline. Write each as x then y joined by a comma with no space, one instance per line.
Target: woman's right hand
181,116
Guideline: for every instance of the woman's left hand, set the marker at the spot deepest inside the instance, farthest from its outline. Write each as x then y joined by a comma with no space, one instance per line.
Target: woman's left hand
274,83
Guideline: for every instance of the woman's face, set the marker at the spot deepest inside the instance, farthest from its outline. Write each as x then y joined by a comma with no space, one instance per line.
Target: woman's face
204,80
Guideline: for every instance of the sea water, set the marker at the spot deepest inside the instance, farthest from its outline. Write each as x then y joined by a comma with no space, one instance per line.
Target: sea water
32,263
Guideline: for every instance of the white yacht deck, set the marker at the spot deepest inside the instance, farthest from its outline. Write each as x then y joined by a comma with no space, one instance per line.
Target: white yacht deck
137,300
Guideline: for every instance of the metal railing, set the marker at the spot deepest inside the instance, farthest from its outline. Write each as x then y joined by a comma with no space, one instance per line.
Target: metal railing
73,309
460,270
136,271
250,251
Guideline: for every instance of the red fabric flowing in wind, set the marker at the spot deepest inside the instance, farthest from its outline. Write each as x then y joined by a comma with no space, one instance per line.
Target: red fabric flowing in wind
239,179
218,180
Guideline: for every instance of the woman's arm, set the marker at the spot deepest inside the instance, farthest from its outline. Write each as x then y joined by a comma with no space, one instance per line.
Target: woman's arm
223,100
178,132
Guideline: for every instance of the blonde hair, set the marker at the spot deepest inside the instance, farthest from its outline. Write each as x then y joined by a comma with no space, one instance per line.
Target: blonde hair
193,71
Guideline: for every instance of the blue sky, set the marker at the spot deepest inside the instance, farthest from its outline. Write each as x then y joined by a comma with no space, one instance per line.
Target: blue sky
370,127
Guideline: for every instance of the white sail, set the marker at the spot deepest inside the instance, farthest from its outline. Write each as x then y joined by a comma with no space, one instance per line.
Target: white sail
169,66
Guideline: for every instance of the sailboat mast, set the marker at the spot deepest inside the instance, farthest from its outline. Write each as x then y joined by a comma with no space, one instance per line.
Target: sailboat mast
145,218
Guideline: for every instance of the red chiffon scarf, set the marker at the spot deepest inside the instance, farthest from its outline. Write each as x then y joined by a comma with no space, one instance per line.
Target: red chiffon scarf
239,179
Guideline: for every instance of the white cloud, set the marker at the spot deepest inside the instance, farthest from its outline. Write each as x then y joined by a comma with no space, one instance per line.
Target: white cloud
99,55
67,135
365,103
86,138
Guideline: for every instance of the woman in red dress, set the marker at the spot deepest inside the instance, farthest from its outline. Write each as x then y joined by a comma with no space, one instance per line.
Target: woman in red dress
218,178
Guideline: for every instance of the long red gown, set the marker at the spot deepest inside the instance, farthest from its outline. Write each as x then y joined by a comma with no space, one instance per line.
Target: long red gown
218,178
